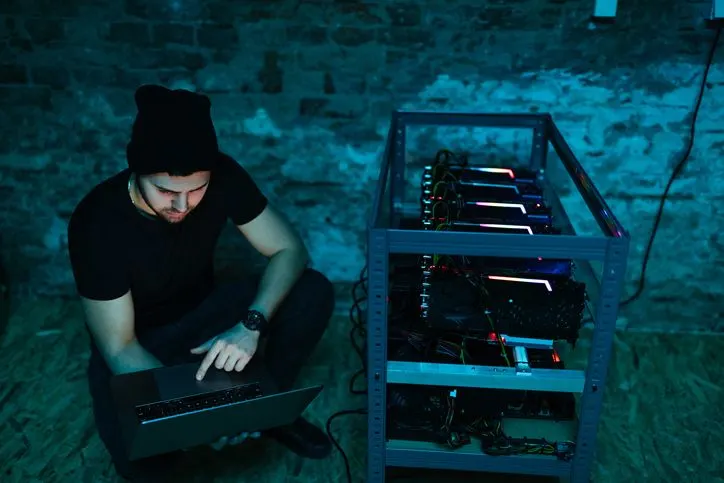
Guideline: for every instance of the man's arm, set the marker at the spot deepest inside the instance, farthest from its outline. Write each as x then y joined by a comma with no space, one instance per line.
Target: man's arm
274,237
111,324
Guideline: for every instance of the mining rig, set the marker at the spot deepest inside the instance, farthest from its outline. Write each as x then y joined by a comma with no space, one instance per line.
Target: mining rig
469,295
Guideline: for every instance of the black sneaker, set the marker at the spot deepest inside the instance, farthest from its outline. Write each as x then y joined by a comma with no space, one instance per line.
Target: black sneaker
303,438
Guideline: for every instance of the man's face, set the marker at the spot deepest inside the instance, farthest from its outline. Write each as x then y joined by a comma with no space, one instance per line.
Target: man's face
174,197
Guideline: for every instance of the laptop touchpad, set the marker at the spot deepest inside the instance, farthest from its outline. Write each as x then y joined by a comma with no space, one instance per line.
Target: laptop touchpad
180,381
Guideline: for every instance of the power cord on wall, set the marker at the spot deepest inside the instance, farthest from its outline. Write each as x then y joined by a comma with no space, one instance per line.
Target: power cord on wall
358,328
678,169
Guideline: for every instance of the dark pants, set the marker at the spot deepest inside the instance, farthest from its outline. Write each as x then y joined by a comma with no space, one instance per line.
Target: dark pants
294,332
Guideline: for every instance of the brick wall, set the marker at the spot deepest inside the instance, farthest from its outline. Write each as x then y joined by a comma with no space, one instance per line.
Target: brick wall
302,93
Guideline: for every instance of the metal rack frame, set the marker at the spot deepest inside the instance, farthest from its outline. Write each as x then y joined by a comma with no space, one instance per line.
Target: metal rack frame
385,238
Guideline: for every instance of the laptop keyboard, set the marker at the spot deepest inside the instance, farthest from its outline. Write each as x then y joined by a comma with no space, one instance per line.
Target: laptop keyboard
176,407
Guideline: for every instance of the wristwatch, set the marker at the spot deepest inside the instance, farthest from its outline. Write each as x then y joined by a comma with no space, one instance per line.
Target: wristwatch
256,321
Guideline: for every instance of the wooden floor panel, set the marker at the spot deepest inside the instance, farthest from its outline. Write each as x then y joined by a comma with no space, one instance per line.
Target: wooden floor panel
662,420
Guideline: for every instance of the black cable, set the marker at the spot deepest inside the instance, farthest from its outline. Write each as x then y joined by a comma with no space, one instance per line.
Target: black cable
328,427
352,390
678,169
355,317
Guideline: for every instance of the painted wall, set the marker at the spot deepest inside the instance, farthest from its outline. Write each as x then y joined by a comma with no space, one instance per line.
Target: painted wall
302,93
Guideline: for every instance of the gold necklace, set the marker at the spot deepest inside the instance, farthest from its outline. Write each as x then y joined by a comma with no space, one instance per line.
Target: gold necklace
130,192
132,178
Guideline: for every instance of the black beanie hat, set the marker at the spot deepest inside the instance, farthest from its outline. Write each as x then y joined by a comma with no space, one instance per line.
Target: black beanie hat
173,132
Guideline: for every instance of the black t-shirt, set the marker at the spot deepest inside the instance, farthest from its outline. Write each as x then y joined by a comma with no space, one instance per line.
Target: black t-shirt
114,248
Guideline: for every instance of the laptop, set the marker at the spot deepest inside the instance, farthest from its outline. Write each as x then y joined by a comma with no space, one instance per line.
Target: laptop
166,409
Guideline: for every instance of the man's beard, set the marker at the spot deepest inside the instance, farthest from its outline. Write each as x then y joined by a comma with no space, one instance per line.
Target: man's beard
171,216
165,214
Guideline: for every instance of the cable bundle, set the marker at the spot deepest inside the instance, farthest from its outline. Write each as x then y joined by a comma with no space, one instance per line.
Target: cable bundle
437,187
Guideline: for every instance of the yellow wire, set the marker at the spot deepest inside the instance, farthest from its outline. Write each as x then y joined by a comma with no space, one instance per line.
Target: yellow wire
436,205
434,188
436,257
446,175
434,170
492,326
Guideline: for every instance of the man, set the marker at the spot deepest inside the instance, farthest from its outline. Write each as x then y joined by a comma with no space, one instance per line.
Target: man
141,247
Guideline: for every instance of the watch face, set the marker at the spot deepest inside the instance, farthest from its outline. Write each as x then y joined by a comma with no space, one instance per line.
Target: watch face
254,320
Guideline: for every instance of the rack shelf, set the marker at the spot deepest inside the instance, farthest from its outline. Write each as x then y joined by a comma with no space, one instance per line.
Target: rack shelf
433,374
385,237
415,454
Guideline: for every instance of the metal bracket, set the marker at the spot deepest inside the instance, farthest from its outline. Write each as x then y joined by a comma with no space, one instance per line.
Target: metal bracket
520,355
717,10
605,9
524,342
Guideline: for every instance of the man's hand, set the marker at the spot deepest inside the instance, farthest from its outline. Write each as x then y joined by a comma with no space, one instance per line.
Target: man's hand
221,443
231,350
